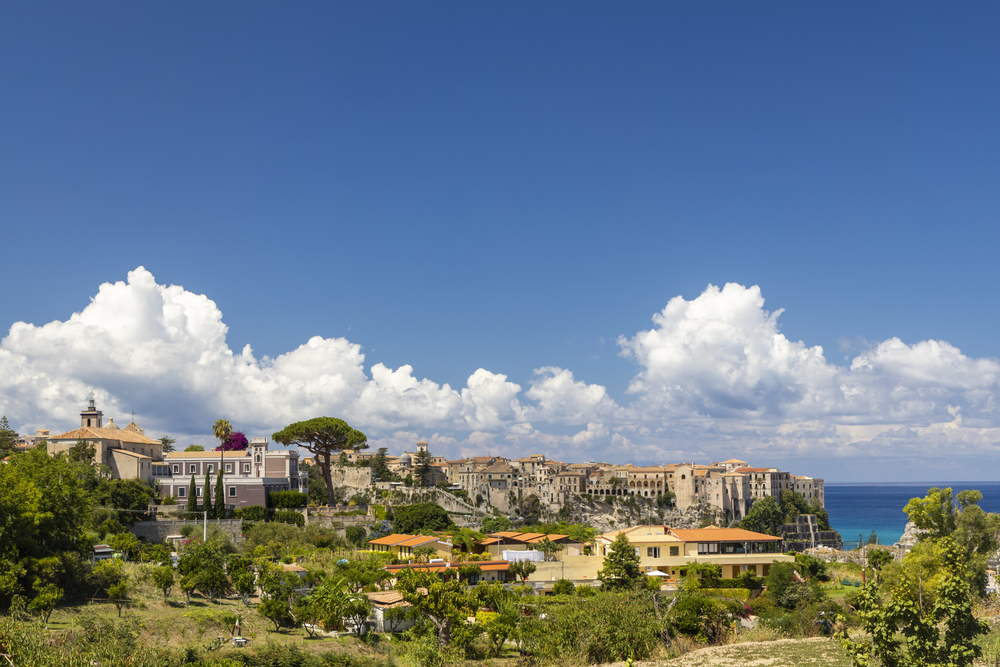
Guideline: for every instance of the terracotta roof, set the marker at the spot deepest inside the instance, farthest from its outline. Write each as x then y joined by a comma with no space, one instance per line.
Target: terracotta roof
203,455
400,540
756,470
524,538
499,467
126,452
387,599
715,534
640,533
94,433
736,461
485,566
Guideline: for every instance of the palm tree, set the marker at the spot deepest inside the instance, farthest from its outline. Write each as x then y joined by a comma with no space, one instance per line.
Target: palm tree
222,429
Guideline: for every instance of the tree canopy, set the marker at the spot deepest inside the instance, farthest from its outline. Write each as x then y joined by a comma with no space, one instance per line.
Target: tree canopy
168,444
8,438
621,566
446,604
765,516
961,519
44,511
413,519
325,437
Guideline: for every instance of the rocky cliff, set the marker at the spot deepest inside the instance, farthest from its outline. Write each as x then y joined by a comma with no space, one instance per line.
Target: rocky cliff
632,511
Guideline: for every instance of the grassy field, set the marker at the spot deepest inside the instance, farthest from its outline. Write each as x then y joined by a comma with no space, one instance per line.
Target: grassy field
175,625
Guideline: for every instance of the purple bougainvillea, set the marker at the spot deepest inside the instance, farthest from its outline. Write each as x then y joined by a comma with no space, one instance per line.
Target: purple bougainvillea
237,443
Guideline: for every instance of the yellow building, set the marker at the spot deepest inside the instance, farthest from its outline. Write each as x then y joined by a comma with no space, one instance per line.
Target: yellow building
403,546
668,550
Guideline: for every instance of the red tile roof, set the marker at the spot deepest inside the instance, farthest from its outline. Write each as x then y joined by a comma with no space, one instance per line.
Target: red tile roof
93,433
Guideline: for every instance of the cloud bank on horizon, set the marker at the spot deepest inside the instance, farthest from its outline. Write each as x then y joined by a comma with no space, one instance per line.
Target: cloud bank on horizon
714,376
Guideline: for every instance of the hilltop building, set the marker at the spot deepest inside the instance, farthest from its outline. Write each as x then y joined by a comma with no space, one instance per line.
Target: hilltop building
128,452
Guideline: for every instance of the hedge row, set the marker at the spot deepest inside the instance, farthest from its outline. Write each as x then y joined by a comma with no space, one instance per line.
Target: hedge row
257,513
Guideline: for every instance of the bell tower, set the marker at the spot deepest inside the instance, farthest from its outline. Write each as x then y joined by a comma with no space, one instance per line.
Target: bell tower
258,450
91,416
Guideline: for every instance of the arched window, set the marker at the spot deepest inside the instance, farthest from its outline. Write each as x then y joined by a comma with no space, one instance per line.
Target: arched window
258,458
88,422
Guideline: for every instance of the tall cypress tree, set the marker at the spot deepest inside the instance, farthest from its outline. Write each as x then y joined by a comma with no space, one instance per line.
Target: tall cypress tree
206,499
192,496
8,438
220,498
422,468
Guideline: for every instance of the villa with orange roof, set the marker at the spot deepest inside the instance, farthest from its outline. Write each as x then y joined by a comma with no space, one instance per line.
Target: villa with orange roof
403,546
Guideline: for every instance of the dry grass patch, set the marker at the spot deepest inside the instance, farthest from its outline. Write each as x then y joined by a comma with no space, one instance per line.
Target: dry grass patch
818,651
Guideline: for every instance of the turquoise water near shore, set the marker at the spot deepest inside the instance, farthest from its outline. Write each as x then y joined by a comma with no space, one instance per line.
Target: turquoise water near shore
861,508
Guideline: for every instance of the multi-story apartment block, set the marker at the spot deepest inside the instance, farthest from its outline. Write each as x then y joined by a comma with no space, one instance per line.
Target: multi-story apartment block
766,482
810,487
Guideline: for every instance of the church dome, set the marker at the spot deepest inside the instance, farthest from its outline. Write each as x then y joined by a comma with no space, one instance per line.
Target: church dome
404,459
112,425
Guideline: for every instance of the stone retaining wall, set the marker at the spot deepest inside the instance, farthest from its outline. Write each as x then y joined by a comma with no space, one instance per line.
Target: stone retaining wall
157,531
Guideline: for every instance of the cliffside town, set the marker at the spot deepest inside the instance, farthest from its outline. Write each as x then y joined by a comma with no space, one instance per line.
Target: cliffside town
726,488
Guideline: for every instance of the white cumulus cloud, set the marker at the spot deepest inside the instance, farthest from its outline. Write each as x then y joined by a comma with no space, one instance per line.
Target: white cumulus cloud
714,377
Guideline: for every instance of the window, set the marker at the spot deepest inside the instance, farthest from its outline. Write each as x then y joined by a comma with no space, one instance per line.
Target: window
211,468
258,458
194,468
652,552
708,548
181,492
675,551
246,467
198,491
232,492
229,468
177,469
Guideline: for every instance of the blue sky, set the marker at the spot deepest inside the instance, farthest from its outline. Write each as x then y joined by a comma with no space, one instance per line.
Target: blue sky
515,187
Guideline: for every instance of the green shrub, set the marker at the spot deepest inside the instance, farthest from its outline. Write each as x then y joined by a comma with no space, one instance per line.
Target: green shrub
251,513
703,617
356,535
289,517
606,628
564,587
287,499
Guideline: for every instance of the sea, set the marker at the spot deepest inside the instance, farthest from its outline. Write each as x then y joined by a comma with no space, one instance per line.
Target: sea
858,509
